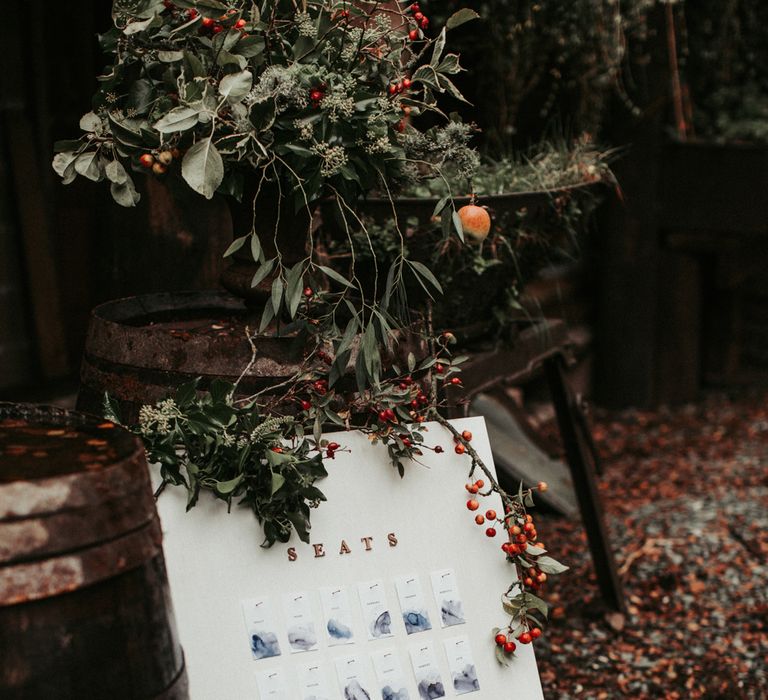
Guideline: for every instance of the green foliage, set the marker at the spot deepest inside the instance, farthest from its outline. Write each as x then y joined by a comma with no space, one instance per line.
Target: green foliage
314,98
725,62
533,62
206,442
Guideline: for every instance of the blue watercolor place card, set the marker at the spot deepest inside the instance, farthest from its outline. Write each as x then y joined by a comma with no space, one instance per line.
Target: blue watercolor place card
260,624
412,604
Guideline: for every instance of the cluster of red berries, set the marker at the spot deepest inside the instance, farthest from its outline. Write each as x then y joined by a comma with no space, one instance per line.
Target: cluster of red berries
502,640
319,386
207,23
422,21
342,15
330,449
158,163
460,448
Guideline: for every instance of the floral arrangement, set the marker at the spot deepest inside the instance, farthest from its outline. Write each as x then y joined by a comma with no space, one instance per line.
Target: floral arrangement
315,96
318,100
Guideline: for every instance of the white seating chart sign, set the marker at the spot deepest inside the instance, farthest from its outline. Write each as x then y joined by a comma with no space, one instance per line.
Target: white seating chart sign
394,598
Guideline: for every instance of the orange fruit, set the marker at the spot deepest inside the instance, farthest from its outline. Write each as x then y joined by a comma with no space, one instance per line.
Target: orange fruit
475,221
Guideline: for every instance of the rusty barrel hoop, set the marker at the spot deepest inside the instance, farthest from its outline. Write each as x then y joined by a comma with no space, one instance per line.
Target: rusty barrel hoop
85,609
135,351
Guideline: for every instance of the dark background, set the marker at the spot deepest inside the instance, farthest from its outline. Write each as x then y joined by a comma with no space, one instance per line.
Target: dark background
675,288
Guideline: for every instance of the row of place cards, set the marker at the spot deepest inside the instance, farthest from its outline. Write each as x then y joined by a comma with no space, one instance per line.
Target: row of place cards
337,624
391,682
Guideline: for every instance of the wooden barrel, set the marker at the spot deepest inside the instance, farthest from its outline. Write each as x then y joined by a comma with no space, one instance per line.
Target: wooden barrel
85,609
139,349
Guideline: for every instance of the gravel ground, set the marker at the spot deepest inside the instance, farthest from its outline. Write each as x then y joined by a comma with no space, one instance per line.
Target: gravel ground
686,497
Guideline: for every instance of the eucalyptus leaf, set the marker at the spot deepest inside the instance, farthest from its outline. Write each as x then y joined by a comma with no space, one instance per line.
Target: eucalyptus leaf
236,85
178,119
461,17
87,165
202,168
90,122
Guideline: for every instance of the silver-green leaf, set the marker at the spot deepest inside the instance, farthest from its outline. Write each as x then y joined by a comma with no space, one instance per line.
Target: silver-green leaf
203,168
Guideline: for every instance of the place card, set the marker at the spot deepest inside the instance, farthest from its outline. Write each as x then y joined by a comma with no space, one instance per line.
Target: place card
353,678
448,599
412,604
390,676
272,685
424,662
337,613
299,622
376,615
260,624
313,683
461,665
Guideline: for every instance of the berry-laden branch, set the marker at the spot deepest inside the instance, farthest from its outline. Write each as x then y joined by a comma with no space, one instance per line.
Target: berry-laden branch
522,549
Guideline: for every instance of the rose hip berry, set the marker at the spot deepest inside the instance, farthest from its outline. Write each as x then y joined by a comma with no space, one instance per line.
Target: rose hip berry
479,519
500,639
459,449
491,532
472,504
509,647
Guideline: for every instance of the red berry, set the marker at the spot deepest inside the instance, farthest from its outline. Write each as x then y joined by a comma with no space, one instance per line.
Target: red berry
406,83
509,647
146,160
393,89
418,16
542,577
455,381
240,24
415,7
330,454
390,414
207,22
192,14
472,504
479,483
423,398
400,126
491,532
305,405
514,530
522,539
528,581
413,34
471,488
479,519
218,29
467,435
459,449
524,638
535,633
439,369
424,23
438,449
333,446
500,639
491,515
383,416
